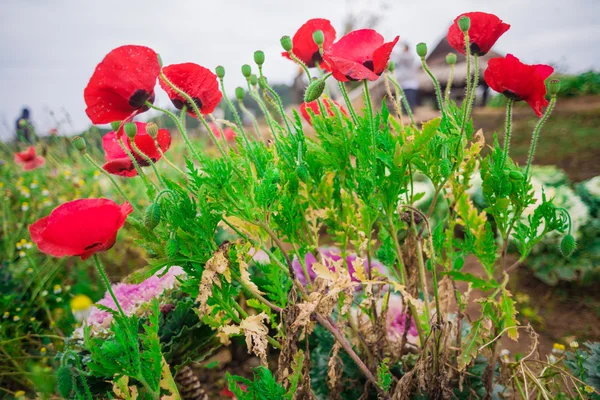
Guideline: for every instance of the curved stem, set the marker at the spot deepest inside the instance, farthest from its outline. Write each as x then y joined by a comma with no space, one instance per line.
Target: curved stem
449,84
180,128
277,102
112,180
508,129
474,84
536,134
348,102
403,98
369,106
299,62
164,157
436,83
236,116
149,161
107,284
252,118
147,182
468,85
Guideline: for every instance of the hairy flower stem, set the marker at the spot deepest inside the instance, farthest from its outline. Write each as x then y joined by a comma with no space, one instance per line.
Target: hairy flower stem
403,98
149,161
252,118
264,109
467,88
474,84
107,284
164,157
112,180
348,102
147,182
372,127
394,99
278,103
180,128
536,134
436,84
449,85
508,129
236,116
300,63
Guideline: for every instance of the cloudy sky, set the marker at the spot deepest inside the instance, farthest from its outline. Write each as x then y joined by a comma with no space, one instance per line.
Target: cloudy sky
50,48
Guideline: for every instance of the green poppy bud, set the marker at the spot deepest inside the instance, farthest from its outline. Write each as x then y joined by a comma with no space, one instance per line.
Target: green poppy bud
172,248
220,71
302,173
152,129
553,87
314,90
246,70
515,176
263,82
568,245
152,216
318,37
79,143
115,125
293,184
253,80
276,176
64,381
286,43
464,24
422,50
239,93
259,57
130,129
451,59
391,66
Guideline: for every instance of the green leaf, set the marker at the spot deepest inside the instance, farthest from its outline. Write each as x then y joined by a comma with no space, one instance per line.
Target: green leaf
509,314
478,283
471,343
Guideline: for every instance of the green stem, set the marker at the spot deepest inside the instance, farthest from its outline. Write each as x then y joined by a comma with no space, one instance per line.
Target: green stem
449,85
107,284
109,176
264,110
468,85
149,161
149,185
436,83
508,129
403,98
299,62
236,116
348,102
164,157
180,128
252,118
536,134
278,102
369,106
474,84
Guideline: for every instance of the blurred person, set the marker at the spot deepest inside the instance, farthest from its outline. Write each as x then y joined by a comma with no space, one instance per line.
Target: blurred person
24,128
407,73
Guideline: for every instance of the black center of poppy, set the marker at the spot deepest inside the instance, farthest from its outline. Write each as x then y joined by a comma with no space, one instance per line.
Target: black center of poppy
511,95
316,58
91,246
179,104
475,50
139,97
369,65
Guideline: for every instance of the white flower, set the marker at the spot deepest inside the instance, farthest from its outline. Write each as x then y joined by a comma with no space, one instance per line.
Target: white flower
45,192
592,186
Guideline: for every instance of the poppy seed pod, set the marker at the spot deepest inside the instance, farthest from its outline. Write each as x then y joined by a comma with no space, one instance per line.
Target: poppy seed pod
286,43
152,216
451,59
515,176
239,93
115,125
391,66
152,129
246,70
259,57
553,87
318,37
253,80
464,23
568,245
220,71
422,50
65,381
130,129
314,90
262,82
302,173
79,143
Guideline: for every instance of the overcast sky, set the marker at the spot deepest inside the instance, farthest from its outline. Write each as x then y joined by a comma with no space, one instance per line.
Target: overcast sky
50,48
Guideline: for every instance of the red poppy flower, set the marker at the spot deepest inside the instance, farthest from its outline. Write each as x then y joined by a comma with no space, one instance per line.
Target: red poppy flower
484,32
29,159
198,82
303,45
118,163
121,84
80,227
228,132
314,107
519,81
359,55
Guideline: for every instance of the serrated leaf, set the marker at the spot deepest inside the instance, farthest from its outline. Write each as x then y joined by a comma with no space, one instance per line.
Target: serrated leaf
509,314
471,343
